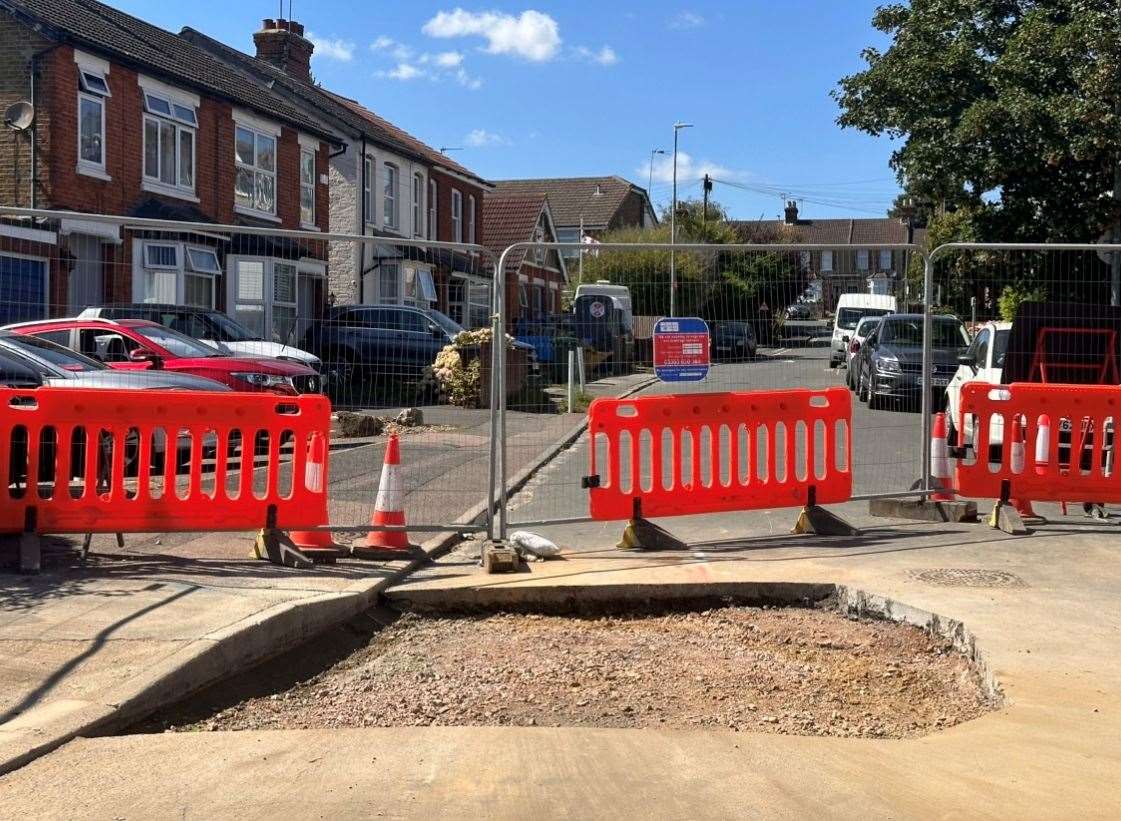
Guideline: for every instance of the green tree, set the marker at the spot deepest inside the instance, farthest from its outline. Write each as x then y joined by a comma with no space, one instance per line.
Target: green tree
1008,111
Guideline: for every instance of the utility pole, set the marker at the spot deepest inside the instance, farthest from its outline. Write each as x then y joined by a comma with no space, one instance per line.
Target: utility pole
706,188
673,225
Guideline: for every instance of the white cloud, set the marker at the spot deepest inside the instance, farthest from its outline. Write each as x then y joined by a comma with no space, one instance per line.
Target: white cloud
391,48
467,81
403,71
448,59
481,138
606,56
530,35
325,47
686,20
688,169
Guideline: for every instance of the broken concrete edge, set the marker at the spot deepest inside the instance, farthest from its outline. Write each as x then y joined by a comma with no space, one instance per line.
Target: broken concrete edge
595,598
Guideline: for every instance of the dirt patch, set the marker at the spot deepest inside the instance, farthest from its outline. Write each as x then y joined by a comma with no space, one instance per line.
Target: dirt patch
780,670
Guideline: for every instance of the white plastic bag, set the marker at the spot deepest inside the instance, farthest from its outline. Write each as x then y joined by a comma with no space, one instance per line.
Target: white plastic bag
533,544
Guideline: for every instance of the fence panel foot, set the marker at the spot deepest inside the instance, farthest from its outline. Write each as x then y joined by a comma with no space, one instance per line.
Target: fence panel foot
923,510
816,520
642,534
1005,517
274,546
500,558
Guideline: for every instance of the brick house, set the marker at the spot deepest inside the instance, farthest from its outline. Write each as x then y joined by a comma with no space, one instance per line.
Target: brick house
535,277
132,120
592,204
384,183
858,263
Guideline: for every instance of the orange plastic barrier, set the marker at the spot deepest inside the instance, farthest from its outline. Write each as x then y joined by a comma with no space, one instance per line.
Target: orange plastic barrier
705,453
106,461
1056,442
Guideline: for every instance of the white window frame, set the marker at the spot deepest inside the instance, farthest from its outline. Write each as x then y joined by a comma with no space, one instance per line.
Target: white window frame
186,120
885,254
368,167
305,155
180,269
827,262
433,190
96,68
471,219
457,215
863,260
391,216
259,129
268,290
418,204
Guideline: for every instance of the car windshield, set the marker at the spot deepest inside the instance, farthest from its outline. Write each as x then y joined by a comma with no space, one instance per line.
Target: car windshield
945,332
1000,347
175,342
227,330
446,322
62,358
847,318
866,326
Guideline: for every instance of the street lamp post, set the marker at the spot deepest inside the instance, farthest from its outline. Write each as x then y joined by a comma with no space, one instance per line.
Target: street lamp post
673,225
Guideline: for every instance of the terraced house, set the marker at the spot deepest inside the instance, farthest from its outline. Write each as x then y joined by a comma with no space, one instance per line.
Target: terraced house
384,183
132,120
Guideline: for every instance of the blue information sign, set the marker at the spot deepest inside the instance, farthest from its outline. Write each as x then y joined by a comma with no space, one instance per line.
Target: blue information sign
681,349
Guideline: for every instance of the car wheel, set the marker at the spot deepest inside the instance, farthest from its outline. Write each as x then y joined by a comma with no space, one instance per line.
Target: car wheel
875,402
850,383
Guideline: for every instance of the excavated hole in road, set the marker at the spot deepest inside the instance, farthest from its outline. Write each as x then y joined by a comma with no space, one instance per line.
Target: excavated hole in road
791,670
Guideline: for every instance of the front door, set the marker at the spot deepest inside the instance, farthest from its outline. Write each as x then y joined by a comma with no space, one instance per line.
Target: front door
85,276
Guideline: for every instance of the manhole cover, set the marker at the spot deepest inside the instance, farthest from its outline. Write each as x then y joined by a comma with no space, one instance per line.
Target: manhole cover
966,577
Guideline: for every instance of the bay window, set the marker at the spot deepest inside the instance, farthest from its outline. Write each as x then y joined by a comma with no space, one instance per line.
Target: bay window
169,144
307,187
175,273
457,216
255,181
263,294
390,216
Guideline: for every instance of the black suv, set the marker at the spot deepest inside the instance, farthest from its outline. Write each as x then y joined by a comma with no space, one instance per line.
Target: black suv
379,348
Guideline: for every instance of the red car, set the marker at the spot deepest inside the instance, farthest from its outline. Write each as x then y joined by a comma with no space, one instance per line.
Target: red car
137,344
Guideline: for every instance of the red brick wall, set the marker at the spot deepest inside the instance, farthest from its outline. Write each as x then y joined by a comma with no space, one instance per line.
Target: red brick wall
444,186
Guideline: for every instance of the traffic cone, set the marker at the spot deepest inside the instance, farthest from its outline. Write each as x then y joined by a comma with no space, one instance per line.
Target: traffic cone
940,461
389,510
317,545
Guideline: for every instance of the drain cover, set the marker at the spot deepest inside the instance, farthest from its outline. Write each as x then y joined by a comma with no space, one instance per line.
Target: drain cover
966,577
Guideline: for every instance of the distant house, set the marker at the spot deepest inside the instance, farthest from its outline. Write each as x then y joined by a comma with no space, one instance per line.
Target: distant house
384,182
599,204
132,120
535,277
858,263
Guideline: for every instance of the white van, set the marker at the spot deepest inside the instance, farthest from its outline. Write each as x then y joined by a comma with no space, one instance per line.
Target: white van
851,308
620,297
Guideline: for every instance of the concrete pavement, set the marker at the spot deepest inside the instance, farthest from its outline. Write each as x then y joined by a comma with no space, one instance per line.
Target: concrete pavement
1041,608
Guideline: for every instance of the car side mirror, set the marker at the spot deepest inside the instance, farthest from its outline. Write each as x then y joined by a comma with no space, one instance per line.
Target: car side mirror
436,331
969,360
145,355
845,338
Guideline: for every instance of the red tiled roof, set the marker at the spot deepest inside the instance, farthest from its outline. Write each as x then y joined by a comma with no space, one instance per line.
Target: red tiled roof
403,137
573,197
858,232
511,218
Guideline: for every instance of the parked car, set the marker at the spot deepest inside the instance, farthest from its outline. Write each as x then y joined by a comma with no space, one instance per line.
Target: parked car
863,328
212,327
367,347
140,345
851,308
983,361
732,339
890,360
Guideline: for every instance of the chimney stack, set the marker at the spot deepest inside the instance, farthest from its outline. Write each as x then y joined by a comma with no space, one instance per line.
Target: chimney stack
282,43
791,212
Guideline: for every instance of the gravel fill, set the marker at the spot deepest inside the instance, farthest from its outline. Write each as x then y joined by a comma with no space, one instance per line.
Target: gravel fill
776,670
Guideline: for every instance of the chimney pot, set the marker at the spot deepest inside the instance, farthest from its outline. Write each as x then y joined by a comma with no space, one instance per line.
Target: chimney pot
268,24
282,43
791,212
298,28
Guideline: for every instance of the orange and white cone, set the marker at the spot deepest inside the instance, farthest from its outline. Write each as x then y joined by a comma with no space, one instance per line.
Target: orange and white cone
389,510
940,461
317,544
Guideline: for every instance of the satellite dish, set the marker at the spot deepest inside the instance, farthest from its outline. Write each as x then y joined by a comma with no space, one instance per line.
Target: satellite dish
19,116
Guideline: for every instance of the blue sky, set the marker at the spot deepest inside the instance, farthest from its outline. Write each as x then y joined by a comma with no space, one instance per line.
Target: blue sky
584,88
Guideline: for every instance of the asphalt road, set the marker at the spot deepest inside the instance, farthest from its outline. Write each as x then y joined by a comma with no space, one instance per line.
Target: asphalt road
886,443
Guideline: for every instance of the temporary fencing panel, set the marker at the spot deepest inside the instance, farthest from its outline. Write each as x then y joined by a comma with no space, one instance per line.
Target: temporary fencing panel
1047,442
706,453
114,461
